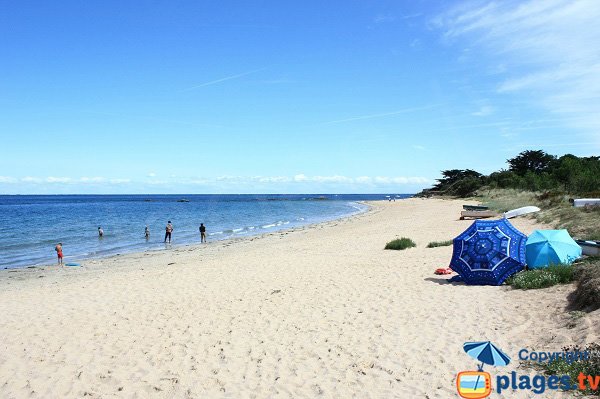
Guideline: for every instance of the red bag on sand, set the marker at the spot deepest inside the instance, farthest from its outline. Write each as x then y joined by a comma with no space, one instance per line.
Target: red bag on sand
443,271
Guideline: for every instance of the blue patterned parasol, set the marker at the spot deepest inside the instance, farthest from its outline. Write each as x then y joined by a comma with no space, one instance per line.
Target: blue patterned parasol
488,252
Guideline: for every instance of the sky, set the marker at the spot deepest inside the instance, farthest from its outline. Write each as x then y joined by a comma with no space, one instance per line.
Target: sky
288,97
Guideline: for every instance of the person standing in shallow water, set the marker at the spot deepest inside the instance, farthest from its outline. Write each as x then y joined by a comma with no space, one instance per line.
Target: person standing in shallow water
59,253
100,232
202,232
168,231
147,232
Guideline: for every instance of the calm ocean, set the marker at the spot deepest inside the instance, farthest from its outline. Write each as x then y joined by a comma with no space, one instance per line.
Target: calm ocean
30,226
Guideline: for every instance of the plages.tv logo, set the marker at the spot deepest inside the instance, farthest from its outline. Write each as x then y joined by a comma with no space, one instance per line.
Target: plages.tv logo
478,384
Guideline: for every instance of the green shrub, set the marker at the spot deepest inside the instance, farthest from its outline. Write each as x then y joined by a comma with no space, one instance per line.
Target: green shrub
542,278
400,243
588,365
434,244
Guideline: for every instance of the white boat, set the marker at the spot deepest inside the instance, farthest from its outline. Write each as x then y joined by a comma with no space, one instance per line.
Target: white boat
589,248
477,214
521,211
581,202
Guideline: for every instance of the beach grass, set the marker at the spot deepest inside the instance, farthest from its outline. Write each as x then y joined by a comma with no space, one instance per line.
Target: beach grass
587,293
400,244
434,244
555,209
542,278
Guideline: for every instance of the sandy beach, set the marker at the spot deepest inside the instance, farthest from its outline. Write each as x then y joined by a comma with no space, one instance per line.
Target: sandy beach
317,312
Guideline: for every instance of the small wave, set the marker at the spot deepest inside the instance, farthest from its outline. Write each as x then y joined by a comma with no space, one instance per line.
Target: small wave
216,233
268,226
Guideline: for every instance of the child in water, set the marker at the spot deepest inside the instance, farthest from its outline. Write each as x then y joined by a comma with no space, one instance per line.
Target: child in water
59,252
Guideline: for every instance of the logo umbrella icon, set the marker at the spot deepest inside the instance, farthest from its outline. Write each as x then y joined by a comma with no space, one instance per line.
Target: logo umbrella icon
477,384
487,353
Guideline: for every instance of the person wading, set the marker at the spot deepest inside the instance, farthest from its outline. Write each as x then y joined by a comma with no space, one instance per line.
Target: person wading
168,231
202,232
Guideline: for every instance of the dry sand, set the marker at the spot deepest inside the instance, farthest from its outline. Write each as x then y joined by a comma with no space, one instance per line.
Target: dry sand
319,312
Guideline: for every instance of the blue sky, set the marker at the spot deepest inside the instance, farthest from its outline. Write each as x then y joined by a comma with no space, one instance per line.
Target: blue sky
287,97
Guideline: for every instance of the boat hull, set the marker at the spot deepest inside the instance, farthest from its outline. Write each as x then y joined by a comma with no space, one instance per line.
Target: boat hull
589,248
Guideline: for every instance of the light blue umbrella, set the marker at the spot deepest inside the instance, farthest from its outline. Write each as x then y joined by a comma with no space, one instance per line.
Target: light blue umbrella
550,247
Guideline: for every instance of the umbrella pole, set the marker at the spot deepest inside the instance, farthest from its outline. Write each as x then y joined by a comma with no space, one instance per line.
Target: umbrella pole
480,367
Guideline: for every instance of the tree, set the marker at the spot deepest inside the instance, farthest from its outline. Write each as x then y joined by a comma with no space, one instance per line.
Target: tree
535,161
459,181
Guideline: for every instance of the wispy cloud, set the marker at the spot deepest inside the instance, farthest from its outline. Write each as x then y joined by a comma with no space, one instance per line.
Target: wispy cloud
548,51
382,18
385,180
54,180
484,110
213,82
299,181
382,115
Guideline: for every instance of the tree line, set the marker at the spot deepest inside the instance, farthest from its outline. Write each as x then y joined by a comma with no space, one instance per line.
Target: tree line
532,170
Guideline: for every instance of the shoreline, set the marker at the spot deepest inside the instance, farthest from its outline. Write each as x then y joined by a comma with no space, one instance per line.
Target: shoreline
171,247
181,247
320,311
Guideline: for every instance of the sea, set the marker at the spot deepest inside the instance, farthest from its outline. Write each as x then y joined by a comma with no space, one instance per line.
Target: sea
31,225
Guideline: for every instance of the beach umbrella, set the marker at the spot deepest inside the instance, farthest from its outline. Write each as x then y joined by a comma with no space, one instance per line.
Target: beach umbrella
488,252
551,247
487,353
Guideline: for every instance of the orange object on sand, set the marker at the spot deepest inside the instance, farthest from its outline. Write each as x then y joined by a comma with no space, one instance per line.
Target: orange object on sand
444,271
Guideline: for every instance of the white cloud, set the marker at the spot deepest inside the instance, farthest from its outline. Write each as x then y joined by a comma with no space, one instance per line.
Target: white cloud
400,180
84,180
52,179
119,181
418,147
226,182
332,179
548,51
29,179
154,182
151,174
337,179
92,179
7,179
300,177
273,179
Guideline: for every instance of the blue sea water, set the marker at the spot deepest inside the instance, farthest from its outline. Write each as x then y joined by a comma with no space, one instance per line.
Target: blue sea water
31,225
